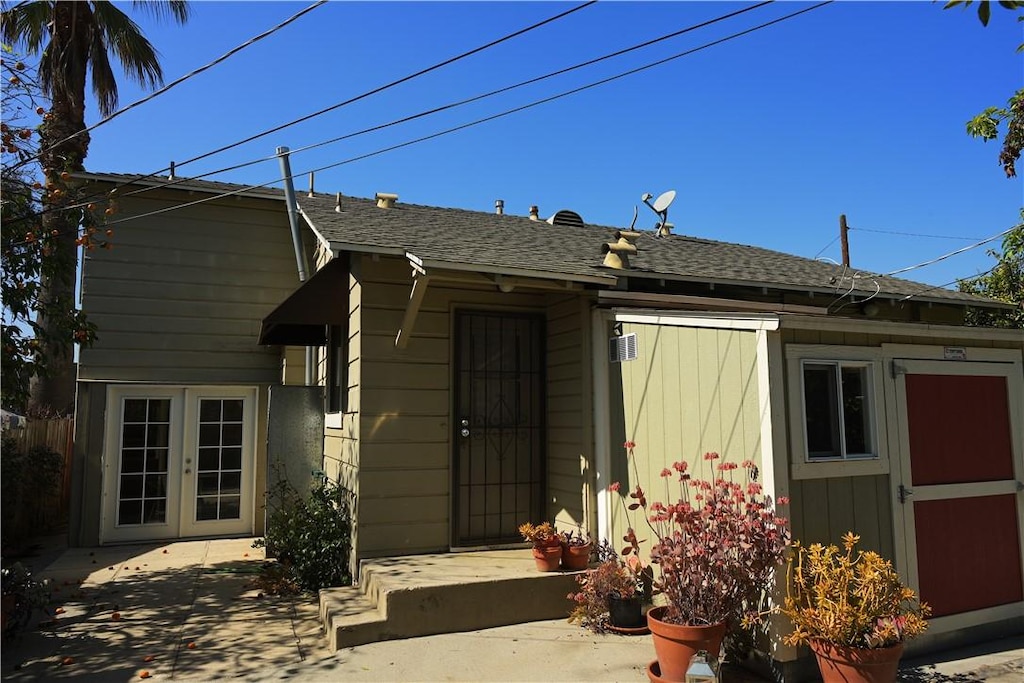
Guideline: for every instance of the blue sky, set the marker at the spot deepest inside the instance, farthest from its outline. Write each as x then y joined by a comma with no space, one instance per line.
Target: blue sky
855,108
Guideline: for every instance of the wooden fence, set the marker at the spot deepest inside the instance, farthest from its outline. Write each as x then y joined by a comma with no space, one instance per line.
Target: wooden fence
51,508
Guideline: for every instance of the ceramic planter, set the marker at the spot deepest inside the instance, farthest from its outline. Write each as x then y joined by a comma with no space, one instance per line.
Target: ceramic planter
842,664
676,644
576,557
548,558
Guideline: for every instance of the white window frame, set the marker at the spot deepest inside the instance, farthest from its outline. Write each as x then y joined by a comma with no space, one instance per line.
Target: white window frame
802,465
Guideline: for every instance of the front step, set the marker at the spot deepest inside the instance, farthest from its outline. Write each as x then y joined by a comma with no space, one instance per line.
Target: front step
419,595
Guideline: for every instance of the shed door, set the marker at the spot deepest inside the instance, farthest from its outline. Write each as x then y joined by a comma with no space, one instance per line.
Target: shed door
960,430
499,427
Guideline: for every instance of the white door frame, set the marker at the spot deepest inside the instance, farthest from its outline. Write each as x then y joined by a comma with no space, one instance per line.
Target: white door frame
180,515
910,359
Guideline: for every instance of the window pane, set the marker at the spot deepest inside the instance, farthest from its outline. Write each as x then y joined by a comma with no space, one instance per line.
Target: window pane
156,460
821,405
131,460
133,436
129,512
231,435
157,435
857,411
230,507
131,486
156,486
231,482
209,459
233,410
155,512
207,484
135,410
206,508
209,411
160,410
209,435
231,459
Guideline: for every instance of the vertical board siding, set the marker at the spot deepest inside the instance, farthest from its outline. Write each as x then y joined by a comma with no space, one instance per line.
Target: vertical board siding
180,296
570,466
690,391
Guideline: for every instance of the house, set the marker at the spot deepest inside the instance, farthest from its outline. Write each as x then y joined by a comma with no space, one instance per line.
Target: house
469,371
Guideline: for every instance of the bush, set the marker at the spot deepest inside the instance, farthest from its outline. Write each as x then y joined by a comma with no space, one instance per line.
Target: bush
311,535
22,595
29,483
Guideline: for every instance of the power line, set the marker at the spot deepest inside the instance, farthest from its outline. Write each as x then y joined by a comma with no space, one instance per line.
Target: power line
179,81
913,234
459,103
338,105
822,250
952,253
478,121
953,282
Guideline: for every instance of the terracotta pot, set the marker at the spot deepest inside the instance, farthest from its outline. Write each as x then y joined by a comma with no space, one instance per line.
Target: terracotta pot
842,664
576,557
676,644
625,612
547,559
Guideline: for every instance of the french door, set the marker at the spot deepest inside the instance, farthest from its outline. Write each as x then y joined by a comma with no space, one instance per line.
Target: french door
958,487
178,462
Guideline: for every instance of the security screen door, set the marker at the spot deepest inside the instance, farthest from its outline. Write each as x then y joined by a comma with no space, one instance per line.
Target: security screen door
499,434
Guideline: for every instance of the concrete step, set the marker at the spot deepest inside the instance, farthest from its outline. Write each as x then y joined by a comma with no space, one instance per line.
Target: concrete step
419,595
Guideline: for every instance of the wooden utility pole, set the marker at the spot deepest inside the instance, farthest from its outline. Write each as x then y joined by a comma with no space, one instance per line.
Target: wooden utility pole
844,239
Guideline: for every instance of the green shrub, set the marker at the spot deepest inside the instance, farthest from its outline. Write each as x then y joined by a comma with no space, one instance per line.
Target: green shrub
29,484
311,535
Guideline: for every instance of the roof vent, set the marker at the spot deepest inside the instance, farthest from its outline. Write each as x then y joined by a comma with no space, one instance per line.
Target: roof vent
534,213
386,201
499,206
566,217
616,254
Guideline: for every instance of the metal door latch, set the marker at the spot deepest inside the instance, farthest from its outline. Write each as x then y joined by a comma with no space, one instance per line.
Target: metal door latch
465,427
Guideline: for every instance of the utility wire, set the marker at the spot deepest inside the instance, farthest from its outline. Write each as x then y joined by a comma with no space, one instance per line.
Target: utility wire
478,121
822,250
335,106
952,253
179,81
913,234
454,105
959,279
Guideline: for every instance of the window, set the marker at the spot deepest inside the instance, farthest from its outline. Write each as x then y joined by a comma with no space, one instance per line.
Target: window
838,408
337,368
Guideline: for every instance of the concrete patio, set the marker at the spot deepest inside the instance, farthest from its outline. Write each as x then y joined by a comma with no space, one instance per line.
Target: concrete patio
185,611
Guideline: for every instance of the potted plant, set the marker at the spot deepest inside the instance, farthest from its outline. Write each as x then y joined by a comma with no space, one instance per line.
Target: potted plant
547,545
716,548
852,610
611,595
576,549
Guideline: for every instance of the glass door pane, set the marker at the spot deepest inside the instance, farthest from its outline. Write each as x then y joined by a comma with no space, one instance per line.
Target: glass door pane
143,462
219,459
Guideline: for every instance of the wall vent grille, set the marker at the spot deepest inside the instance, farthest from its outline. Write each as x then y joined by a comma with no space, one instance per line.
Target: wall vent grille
621,349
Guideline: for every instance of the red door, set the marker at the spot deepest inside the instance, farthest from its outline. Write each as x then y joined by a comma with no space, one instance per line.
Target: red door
958,486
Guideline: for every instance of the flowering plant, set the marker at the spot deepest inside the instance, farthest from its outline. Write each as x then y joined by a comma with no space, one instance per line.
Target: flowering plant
576,539
716,546
541,535
613,577
850,600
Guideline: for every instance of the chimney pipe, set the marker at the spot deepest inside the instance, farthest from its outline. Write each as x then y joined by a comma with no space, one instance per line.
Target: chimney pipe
386,200
499,206
170,176
534,213
337,204
311,193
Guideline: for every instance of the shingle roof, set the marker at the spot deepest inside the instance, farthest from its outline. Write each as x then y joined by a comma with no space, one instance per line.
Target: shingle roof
495,241
500,243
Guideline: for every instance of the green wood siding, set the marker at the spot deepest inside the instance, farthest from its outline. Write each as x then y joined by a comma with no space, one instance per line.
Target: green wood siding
180,296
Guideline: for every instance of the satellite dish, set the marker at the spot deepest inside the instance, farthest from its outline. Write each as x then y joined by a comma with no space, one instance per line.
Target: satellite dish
664,200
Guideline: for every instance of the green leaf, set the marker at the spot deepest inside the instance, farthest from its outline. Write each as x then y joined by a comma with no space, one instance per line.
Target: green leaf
984,11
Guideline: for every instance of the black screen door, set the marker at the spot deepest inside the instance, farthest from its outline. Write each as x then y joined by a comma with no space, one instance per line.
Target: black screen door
499,426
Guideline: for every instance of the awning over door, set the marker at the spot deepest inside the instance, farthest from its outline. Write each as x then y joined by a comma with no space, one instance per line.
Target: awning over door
302,318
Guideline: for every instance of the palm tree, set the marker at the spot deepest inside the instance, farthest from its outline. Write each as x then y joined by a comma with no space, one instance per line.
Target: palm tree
74,39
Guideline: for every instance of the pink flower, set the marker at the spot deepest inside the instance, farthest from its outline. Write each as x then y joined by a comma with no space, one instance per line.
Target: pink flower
666,472
753,488
783,500
711,456
725,466
679,466
614,486
629,445
748,464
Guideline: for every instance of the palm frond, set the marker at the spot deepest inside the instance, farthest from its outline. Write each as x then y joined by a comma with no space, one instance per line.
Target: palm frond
27,24
124,38
175,9
104,84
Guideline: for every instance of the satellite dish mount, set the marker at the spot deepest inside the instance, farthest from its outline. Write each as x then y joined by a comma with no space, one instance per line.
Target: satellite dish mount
660,207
